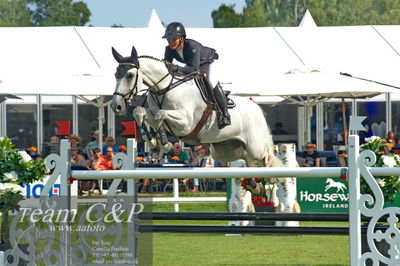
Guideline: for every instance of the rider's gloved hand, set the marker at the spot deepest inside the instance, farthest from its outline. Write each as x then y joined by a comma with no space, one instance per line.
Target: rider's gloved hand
172,68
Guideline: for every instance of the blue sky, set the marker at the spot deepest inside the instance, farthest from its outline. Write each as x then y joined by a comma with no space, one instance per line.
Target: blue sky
136,13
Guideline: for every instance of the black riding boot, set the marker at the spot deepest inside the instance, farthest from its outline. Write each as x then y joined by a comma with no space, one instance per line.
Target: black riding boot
223,117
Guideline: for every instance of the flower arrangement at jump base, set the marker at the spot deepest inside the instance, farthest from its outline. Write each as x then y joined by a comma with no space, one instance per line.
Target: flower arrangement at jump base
262,193
389,185
16,168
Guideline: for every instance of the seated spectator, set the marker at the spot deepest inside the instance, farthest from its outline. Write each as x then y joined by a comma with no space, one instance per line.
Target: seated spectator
104,162
389,141
396,147
54,139
202,158
310,157
32,151
177,152
177,155
75,141
110,142
122,148
93,144
50,147
76,158
91,165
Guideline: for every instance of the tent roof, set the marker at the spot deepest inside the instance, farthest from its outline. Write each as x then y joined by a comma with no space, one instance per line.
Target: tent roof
307,20
320,85
78,60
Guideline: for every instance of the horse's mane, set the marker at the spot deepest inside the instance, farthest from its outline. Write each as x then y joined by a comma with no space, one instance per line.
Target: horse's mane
153,58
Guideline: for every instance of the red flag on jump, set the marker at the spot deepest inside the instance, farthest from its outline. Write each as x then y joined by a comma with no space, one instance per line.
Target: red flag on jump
64,127
130,128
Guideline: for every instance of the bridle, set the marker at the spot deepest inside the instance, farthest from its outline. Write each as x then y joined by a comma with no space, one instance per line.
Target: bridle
127,96
152,89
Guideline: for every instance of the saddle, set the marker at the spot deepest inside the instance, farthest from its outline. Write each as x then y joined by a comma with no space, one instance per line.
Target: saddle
206,92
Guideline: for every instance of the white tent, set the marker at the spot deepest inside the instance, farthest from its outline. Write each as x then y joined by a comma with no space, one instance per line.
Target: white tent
78,60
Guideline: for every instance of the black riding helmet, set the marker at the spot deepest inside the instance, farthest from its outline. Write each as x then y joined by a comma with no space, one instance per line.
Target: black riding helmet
174,30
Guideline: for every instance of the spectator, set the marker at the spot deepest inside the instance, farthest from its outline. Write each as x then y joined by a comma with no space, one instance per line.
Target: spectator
122,148
110,142
75,141
93,144
104,162
76,158
91,165
177,152
52,146
32,151
389,141
396,147
310,157
201,158
54,139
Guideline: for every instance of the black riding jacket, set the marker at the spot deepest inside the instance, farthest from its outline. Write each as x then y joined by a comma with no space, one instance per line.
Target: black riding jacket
195,56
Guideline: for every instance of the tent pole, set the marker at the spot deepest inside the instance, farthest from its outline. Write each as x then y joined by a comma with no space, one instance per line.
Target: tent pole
388,113
320,126
345,131
75,129
39,122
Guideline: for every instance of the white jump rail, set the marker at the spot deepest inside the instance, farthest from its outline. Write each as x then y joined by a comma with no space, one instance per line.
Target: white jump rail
358,165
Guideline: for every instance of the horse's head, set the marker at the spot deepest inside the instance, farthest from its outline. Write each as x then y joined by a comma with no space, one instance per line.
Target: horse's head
330,180
128,79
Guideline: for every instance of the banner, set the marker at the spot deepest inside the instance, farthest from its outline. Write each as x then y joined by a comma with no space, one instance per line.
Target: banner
322,194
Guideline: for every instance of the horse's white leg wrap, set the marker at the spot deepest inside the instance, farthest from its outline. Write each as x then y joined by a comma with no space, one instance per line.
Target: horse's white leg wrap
140,114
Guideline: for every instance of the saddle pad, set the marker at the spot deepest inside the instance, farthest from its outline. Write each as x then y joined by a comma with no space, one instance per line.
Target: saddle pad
206,95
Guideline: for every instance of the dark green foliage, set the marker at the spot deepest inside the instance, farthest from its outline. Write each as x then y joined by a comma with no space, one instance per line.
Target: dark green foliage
43,13
259,13
226,17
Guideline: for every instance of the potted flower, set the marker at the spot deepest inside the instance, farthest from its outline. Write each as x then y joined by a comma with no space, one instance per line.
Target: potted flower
262,196
16,168
389,185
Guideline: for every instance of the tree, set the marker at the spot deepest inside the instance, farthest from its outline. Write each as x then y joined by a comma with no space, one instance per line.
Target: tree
226,17
14,13
258,13
43,13
254,15
59,13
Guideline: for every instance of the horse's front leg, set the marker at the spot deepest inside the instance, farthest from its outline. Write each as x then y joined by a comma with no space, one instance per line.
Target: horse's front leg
177,121
141,115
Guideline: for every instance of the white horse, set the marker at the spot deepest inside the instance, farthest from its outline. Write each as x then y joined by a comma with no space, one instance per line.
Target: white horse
176,104
332,184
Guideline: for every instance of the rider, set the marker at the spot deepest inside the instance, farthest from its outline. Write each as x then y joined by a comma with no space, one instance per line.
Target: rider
197,58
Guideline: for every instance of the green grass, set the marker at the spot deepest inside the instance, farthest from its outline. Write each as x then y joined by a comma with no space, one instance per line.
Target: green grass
218,249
